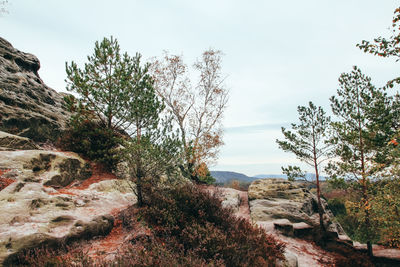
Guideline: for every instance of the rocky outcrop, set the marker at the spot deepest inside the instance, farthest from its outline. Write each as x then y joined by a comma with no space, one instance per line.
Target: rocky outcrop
28,107
289,208
54,198
13,142
49,168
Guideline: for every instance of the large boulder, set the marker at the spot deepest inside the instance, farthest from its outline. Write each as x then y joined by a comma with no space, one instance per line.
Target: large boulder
54,199
290,208
28,107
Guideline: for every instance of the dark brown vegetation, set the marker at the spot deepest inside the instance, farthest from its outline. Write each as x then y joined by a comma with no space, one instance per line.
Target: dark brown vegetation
181,226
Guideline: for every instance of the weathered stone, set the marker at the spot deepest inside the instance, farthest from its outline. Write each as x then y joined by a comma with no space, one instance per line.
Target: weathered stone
28,107
284,226
303,230
231,199
51,168
12,142
276,188
33,214
274,200
290,260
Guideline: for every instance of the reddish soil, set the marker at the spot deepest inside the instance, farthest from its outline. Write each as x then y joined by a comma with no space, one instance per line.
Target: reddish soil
110,244
98,175
4,182
107,247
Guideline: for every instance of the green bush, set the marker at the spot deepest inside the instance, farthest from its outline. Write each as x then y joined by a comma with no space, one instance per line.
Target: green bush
91,141
337,206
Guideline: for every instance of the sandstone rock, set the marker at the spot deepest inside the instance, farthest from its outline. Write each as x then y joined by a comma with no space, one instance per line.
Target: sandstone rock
34,214
276,188
231,199
12,142
28,107
290,260
50,168
291,208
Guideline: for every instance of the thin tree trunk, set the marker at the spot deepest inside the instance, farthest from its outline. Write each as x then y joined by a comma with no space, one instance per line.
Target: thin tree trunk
139,172
364,191
320,209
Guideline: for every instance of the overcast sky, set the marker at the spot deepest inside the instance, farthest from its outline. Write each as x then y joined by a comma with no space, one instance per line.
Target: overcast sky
278,54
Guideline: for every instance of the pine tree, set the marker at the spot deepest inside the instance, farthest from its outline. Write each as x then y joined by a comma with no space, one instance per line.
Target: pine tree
359,137
118,91
108,84
307,141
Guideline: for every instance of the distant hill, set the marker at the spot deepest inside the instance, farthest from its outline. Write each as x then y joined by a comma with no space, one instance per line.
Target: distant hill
261,176
225,176
309,176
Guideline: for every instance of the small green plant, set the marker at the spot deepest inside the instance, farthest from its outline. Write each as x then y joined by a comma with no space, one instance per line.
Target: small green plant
91,141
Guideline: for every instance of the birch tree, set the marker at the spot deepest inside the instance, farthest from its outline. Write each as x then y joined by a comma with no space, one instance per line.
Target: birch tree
197,107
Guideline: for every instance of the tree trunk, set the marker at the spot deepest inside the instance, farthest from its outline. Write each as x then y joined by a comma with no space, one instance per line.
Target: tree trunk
320,209
139,172
139,193
365,192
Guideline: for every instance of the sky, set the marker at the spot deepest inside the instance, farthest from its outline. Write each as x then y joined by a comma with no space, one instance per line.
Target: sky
277,54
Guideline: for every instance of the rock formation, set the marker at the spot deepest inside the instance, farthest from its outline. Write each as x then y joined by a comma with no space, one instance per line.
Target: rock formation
28,107
54,197
289,208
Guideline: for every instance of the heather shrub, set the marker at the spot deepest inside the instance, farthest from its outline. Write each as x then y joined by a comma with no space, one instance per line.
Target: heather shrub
62,256
147,253
157,253
349,257
197,221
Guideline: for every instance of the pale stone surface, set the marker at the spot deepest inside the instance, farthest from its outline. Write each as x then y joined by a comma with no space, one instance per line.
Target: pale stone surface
231,199
50,168
34,214
28,107
275,188
290,260
275,199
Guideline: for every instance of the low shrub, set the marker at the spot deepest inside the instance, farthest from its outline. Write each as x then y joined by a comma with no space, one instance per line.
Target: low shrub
197,221
347,257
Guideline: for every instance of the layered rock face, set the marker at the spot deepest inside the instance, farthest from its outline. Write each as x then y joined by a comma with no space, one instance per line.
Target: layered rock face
54,197
289,208
28,107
